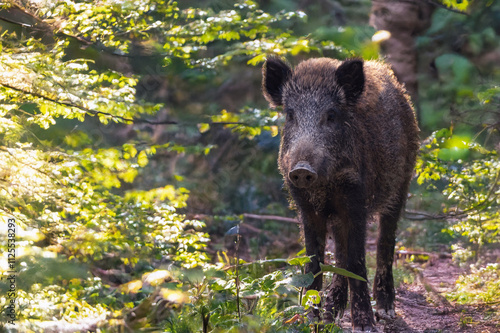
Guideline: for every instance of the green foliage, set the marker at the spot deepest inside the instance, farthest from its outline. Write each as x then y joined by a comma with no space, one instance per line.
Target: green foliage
461,50
340,271
481,286
468,175
459,167
182,33
64,302
461,5
461,162
254,297
402,276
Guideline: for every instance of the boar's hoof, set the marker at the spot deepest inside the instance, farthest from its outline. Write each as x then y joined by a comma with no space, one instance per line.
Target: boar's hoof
384,314
363,328
302,175
362,321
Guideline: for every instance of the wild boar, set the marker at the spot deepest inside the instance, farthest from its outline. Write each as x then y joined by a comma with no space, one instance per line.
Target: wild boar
347,153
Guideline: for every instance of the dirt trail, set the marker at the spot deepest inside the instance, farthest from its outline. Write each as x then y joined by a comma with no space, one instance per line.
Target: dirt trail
422,307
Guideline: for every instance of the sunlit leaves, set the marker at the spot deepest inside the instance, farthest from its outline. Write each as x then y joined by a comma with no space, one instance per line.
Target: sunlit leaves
481,286
248,122
471,175
489,95
142,159
176,196
131,19
65,196
311,298
174,296
179,33
56,302
131,287
461,5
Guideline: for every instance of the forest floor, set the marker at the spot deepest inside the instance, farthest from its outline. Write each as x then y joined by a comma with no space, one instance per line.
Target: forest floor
421,303
422,307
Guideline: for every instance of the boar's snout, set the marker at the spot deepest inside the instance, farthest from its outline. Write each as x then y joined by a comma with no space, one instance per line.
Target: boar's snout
303,175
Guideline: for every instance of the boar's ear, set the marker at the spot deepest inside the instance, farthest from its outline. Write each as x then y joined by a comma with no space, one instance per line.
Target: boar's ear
351,78
275,73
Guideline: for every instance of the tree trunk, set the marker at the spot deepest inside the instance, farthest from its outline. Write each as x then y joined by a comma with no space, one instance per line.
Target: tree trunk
405,20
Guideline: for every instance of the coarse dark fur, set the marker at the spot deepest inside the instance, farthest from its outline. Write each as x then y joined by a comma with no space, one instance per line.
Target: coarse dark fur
348,149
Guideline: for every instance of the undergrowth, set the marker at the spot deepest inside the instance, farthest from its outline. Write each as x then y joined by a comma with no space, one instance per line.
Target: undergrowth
481,286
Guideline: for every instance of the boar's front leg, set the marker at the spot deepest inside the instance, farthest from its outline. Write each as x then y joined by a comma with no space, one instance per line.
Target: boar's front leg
315,237
336,299
361,309
350,231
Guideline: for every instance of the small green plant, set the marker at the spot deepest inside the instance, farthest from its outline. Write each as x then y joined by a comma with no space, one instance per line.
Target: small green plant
402,275
465,320
261,296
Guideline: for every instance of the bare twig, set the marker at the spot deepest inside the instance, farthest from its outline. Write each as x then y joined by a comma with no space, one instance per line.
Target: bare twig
271,217
420,216
238,239
405,253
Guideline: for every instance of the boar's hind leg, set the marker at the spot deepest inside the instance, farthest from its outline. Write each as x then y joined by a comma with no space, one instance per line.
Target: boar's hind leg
383,284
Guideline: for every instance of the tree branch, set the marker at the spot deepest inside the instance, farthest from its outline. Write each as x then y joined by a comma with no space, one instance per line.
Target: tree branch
408,214
115,117
420,216
67,104
271,217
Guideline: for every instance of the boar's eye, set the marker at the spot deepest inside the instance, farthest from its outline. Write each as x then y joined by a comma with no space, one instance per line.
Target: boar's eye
331,115
289,114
